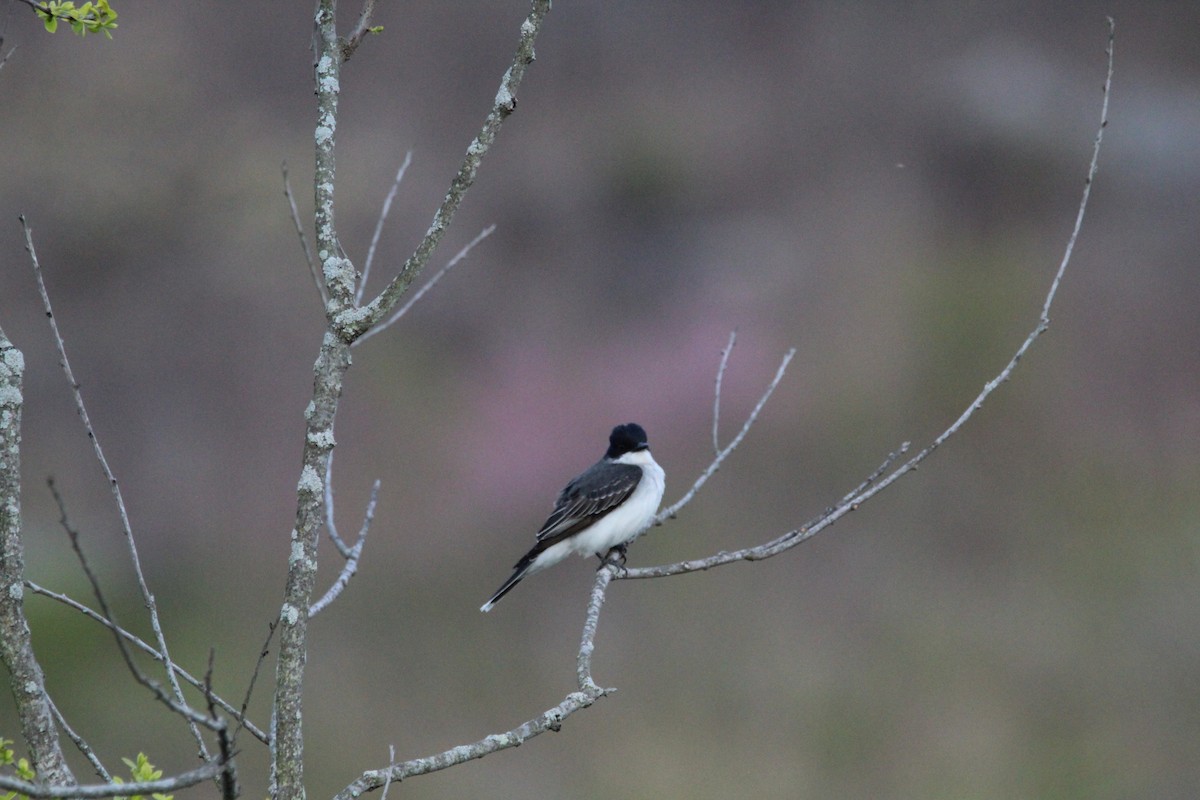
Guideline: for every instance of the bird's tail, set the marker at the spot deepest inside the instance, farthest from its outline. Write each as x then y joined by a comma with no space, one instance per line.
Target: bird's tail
522,569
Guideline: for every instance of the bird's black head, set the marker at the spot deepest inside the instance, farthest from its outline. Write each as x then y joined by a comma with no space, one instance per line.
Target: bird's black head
628,438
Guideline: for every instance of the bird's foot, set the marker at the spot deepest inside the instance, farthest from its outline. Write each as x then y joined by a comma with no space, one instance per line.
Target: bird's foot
614,557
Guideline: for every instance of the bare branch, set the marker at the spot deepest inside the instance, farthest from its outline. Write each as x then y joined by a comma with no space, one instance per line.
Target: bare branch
383,213
1087,188
96,790
330,522
347,322
587,643
717,394
80,744
352,323
361,29
308,256
241,717
150,651
337,272
550,720
459,256
874,476
228,781
352,557
670,511
871,488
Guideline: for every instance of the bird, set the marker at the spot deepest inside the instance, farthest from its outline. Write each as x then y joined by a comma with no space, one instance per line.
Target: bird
607,505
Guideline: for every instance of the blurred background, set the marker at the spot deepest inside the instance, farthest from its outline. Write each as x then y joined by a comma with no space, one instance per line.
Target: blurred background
887,189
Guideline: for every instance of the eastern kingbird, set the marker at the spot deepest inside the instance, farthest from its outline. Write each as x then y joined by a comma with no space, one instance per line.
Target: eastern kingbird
608,505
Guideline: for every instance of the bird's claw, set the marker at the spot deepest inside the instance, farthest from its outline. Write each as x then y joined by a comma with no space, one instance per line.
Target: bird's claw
615,557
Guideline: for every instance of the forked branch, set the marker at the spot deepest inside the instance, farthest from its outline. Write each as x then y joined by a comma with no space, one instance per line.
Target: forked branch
723,452
870,488
148,650
352,323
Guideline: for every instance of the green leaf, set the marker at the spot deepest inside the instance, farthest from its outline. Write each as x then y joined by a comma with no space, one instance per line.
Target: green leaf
91,17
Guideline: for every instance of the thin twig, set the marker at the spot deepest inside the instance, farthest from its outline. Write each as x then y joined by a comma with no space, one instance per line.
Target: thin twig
383,214
144,647
228,780
671,511
717,394
882,468
352,558
80,744
330,523
849,496
308,255
855,499
1087,185
459,256
178,705
118,498
262,656
387,783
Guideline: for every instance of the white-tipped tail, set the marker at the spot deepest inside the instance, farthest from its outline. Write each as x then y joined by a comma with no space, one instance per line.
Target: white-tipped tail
522,569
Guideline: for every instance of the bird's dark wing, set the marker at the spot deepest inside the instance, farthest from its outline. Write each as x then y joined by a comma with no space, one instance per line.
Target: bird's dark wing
593,494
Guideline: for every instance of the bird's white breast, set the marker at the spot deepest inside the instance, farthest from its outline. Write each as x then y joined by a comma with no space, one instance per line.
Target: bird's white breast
625,523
